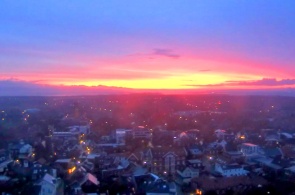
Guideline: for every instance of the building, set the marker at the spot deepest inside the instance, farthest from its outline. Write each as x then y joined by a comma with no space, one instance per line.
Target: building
187,173
250,151
86,184
194,151
195,163
121,136
64,134
80,129
164,160
20,150
141,132
230,170
151,184
51,186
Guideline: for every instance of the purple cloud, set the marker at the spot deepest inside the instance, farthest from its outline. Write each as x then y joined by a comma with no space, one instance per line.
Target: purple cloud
14,87
165,52
263,82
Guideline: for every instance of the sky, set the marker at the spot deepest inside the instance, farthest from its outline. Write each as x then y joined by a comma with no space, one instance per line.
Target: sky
152,44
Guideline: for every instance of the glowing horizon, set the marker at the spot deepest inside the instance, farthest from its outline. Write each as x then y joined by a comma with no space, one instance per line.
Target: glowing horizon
149,45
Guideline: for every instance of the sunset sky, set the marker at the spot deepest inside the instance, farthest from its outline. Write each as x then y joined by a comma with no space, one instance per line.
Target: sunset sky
152,44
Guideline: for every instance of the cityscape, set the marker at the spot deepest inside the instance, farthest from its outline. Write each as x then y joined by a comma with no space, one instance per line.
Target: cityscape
147,97
147,144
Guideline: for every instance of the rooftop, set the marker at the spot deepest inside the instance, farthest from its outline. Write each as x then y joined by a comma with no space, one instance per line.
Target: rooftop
249,144
49,178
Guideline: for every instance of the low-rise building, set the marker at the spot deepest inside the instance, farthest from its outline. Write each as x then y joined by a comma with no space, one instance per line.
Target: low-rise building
164,160
230,170
250,150
141,132
186,174
51,186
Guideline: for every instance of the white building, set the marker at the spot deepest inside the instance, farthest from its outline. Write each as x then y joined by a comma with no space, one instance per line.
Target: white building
250,150
230,170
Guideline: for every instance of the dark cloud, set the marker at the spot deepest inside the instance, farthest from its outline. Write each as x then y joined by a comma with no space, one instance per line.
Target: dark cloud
165,52
14,87
11,87
263,82
205,70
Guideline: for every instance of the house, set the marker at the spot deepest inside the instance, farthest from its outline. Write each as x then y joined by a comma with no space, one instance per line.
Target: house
111,165
89,166
229,170
120,135
194,151
20,150
231,153
276,165
164,160
272,152
216,147
134,157
233,156
51,185
89,157
20,168
86,184
118,185
115,169
250,150
141,132
151,184
186,174
80,129
64,166
65,163
39,170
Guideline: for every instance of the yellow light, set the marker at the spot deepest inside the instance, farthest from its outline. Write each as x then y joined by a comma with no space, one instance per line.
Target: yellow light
198,192
71,170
